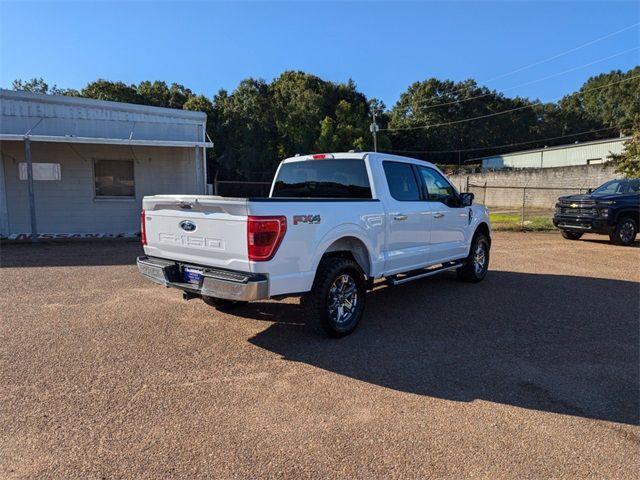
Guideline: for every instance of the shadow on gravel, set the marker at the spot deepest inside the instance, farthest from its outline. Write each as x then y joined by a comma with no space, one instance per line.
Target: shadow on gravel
70,254
553,343
605,240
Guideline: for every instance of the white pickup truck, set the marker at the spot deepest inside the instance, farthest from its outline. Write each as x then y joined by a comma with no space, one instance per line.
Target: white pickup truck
331,225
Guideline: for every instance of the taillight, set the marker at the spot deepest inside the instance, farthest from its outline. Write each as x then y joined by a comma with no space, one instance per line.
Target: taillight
143,228
264,235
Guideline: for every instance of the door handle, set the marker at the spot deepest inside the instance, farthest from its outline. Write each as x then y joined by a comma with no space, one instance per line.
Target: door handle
400,217
438,215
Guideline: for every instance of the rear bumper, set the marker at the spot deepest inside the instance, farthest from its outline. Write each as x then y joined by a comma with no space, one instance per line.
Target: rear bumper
582,224
215,282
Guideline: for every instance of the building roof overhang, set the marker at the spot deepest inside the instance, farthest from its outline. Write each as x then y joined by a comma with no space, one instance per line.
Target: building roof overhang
103,141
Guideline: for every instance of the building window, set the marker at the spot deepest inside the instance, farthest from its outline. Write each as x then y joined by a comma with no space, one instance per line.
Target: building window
114,178
41,171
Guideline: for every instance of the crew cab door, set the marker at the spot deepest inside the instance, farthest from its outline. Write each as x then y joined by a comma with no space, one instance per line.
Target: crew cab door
450,221
408,220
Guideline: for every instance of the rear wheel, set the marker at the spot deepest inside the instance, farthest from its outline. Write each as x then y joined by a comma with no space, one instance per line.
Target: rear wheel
336,301
625,232
476,264
571,235
222,304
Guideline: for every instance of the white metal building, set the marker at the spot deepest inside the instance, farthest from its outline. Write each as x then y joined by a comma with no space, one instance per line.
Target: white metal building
76,167
586,153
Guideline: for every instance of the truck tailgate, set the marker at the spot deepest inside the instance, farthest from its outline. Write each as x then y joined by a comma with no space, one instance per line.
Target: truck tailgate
198,229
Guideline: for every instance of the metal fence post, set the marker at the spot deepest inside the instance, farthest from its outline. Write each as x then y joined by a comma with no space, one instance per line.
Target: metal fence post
524,196
484,197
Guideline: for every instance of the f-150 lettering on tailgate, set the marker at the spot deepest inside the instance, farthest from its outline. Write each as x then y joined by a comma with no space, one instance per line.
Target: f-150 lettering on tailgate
196,241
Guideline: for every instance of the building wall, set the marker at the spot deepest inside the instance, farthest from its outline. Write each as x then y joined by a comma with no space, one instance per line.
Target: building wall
579,154
69,205
562,179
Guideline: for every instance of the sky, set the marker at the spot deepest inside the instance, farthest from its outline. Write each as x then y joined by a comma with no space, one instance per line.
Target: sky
382,46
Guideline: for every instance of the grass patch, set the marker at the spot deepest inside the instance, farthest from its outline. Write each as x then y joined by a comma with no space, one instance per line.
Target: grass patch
513,222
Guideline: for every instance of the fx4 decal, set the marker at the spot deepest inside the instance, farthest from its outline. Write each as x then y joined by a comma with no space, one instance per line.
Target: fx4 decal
311,219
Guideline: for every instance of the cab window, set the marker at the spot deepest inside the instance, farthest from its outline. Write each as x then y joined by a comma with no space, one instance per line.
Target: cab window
401,180
437,188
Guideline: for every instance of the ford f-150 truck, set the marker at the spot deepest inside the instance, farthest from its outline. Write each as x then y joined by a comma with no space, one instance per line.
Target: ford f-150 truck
333,223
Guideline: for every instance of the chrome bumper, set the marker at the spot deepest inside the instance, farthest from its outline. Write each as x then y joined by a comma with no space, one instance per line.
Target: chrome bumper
215,282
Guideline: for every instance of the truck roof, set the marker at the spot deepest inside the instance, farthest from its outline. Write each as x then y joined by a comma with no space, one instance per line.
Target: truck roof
373,156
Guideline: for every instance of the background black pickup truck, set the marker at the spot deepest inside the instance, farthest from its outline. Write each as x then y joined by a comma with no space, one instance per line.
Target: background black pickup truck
611,209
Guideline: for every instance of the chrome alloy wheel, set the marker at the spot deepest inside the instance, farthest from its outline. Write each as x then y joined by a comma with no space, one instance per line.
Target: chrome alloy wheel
479,258
343,299
627,231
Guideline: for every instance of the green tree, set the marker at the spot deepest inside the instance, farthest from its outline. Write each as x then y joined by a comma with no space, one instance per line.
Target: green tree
435,102
154,93
628,162
609,99
326,138
245,132
299,107
114,91
36,85
178,95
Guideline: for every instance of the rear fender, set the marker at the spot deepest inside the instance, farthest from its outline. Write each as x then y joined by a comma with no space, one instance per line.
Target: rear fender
348,237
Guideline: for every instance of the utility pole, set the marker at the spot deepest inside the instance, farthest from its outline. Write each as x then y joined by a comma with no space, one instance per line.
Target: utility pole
374,130
32,201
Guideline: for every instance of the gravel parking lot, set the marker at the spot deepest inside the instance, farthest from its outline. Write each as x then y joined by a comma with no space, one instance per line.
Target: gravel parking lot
532,373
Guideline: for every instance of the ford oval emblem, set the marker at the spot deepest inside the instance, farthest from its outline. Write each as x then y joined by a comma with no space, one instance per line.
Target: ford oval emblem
188,226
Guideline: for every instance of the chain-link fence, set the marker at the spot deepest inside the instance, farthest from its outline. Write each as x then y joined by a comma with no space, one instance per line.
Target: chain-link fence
241,189
521,207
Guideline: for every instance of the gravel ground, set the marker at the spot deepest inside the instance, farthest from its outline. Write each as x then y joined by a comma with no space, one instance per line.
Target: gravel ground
532,373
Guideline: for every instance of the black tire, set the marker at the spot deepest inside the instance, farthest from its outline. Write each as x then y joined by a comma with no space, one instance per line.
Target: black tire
322,303
625,232
222,304
571,235
476,264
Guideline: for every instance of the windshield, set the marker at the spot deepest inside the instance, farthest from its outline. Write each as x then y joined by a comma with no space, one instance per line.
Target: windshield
323,179
618,187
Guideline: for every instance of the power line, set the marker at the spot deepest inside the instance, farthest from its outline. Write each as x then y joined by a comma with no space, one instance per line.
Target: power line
546,60
464,120
475,149
527,83
479,117
562,54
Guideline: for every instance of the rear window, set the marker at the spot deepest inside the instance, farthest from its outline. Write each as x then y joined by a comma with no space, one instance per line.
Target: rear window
323,179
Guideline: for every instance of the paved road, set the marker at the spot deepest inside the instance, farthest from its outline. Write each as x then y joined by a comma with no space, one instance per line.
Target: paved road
532,373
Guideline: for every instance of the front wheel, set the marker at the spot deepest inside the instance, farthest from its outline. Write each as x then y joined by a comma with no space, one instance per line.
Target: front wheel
475,266
336,301
625,232
571,235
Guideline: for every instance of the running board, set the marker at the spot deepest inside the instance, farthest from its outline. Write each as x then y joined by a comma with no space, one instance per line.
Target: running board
418,274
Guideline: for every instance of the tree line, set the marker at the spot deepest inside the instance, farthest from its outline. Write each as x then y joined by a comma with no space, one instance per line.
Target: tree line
260,123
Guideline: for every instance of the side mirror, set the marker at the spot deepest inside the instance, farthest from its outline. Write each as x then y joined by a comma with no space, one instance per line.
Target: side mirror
589,190
466,199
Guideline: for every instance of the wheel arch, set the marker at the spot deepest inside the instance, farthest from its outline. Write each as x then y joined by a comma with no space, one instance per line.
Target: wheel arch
483,228
628,213
351,247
